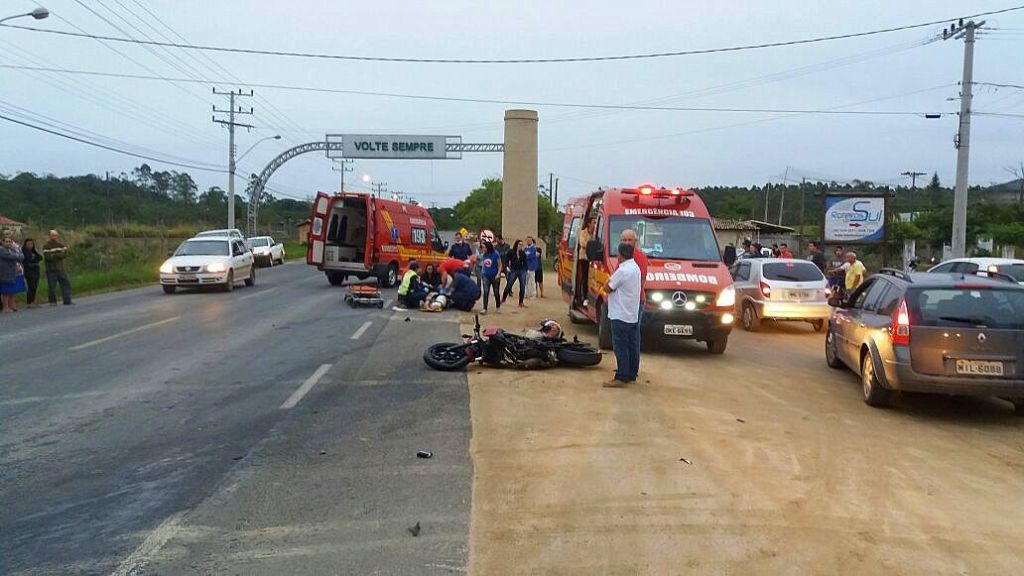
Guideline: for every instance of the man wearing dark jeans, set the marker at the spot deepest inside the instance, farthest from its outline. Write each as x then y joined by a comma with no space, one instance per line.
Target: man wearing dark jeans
53,255
628,236
623,290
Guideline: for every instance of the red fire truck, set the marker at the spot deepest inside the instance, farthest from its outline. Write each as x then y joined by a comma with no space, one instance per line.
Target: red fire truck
689,292
359,235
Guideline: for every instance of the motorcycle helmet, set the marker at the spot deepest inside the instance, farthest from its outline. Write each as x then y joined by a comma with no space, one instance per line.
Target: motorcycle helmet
550,330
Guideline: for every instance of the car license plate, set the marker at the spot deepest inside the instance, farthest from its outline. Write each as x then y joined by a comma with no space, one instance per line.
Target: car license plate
979,368
679,329
798,294
186,277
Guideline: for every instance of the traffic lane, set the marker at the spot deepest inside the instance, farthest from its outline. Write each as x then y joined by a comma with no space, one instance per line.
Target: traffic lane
91,475
338,489
35,333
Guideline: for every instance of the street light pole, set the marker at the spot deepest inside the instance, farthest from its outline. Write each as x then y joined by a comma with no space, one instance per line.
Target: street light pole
274,137
39,14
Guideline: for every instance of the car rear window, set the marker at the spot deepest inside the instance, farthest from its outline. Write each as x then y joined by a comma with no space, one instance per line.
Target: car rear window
1014,270
792,272
260,241
960,307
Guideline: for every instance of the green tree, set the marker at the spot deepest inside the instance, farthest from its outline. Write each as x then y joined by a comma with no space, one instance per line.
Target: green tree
482,209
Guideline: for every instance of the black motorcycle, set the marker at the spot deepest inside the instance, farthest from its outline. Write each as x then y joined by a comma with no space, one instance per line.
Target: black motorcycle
496,347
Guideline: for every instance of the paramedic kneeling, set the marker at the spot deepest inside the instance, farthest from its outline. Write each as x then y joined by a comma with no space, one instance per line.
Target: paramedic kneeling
412,291
464,292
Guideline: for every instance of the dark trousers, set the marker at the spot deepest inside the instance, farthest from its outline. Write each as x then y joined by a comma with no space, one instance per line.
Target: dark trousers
491,283
32,284
513,277
584,266
55,278
625,342
414,298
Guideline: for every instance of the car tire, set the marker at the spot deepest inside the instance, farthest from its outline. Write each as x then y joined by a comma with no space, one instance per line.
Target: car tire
390,278
169,289
229,283
818,324
280,260
874,394
1018,406
832,351
749,319
604,329
717,345
251,280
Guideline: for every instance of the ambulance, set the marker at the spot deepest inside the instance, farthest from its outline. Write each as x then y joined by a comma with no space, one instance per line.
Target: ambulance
688,289
352,234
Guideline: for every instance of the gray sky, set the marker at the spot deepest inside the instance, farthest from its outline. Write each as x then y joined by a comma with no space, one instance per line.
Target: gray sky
585,147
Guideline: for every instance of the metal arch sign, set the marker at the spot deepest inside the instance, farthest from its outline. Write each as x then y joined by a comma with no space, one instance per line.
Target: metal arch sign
854,219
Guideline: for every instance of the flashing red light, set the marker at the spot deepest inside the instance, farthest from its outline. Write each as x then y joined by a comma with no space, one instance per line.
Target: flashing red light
766,290
646,190
899,333
675,192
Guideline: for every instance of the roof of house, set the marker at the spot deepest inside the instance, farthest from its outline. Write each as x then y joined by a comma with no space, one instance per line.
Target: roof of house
726,224
304,222
5,221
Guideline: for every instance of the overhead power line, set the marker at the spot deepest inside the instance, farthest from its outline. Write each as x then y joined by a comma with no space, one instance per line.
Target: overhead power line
111,148
322,56
494,100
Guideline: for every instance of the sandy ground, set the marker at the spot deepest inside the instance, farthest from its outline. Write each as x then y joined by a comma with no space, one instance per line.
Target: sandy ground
785,470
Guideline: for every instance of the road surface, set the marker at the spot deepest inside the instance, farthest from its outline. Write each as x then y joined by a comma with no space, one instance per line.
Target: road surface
266,428
274,430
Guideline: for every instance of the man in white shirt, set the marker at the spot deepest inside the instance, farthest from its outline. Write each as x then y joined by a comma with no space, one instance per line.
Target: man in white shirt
624,313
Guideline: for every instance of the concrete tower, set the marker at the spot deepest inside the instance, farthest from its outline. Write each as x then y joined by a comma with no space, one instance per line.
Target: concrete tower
519,176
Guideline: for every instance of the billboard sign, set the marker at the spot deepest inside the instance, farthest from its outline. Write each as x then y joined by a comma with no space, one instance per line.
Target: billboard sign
394,147
852,219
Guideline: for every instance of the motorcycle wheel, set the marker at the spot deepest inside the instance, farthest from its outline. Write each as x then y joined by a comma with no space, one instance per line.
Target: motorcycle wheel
579,356
447,356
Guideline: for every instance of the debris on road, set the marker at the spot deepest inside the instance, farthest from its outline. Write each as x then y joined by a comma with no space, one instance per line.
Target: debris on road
686,460
323,452
414,530
424,454
741,420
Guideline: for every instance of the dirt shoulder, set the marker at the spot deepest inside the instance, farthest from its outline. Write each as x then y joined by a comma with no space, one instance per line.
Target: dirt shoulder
785,470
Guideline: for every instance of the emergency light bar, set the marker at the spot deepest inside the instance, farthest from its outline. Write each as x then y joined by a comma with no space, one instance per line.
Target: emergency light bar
648,190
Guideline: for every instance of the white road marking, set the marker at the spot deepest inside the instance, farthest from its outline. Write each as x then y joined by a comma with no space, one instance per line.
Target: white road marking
253,295
361,330
306,387
388,304
120,334
150,546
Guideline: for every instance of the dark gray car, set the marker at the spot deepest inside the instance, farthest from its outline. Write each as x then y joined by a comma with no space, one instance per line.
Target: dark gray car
937,333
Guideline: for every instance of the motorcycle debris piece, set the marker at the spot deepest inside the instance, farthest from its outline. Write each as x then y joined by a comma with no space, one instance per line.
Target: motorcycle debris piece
741,420
424,454
414,530
685,460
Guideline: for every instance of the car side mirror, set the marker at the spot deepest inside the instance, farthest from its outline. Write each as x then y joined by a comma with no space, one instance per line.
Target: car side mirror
838,302
595,251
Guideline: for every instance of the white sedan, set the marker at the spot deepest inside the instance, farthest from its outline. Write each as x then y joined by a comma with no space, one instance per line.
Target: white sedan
208,261
980,265
266,250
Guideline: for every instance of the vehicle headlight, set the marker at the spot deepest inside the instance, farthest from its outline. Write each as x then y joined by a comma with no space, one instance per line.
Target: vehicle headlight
657,297
166,267
726,297
215,267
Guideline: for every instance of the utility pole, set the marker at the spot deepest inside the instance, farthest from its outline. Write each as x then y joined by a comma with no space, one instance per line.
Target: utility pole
913,187
551,189
803,200
379,188
556,194
782,199
230,123
963,141
343,165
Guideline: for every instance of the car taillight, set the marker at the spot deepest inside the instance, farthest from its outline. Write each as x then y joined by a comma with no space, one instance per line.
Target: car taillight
766,290
900,331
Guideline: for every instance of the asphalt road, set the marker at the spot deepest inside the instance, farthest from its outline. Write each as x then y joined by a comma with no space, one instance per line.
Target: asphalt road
266,430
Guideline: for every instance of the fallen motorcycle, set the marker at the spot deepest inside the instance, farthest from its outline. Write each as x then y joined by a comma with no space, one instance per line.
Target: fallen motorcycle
496,347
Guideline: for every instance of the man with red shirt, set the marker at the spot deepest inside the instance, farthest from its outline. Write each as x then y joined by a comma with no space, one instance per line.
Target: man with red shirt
450,267
784,251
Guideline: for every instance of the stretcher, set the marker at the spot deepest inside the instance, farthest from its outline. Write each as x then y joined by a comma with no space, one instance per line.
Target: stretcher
365,293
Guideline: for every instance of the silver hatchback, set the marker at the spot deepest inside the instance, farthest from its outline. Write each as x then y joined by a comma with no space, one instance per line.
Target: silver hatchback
780,289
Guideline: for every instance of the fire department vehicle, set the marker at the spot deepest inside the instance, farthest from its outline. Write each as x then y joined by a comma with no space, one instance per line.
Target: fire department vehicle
688,290
359,235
